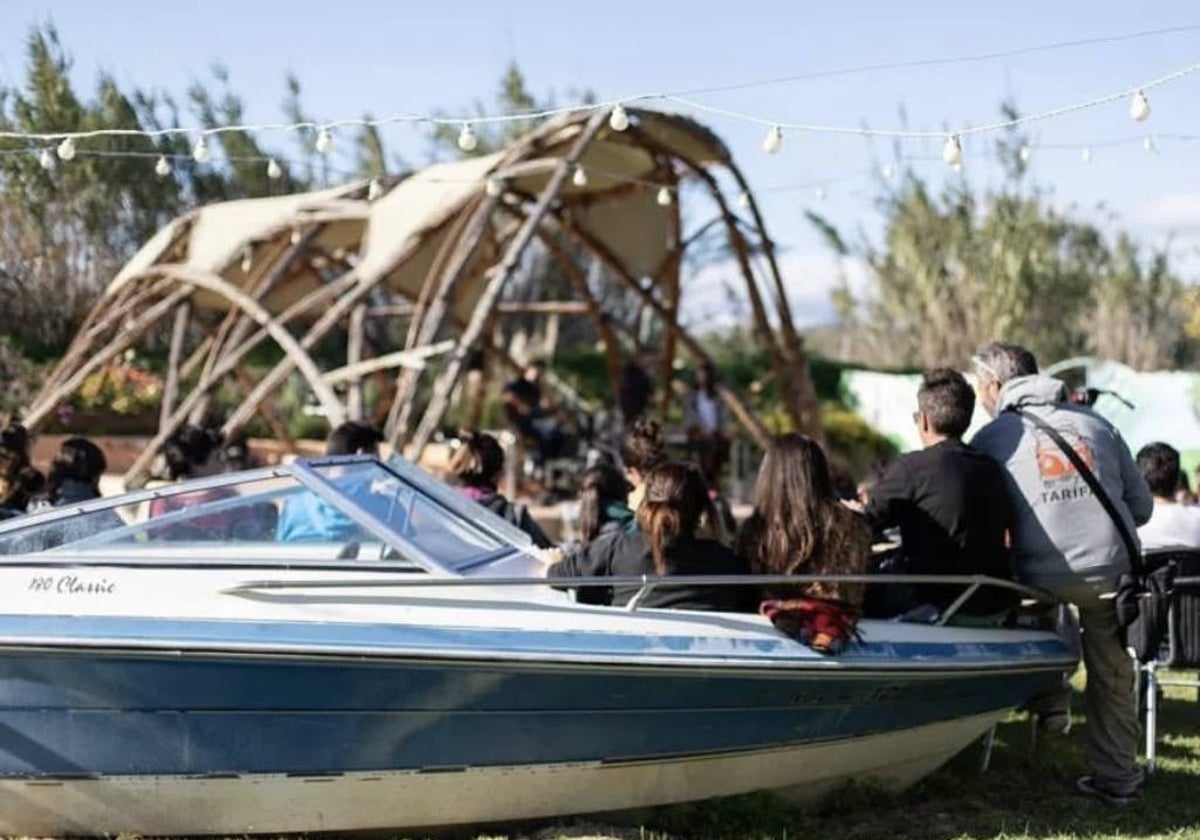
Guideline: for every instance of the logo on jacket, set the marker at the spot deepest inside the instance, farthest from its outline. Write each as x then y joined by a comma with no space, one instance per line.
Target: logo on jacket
1060,480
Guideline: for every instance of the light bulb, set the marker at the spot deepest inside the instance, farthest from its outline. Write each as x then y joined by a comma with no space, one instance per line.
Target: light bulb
274,170
46,159
819,193
743,200
1139,107
1086,154
247,259
1149,145
773,142
467,141
664,198
66,149
324,144
295,237
1025,153
618,119
162,166
494,187
201,152
887,171
952,151
580,178
957,167
374,189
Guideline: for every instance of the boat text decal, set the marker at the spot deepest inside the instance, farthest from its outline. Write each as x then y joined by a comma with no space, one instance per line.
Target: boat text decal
71,585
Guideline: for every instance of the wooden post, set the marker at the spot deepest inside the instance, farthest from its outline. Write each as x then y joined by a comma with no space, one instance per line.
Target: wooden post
499,277
739,408
183,314
354,349
673,272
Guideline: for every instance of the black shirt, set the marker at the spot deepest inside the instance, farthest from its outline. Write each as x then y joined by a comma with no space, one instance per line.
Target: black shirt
952,506
627,552
528,394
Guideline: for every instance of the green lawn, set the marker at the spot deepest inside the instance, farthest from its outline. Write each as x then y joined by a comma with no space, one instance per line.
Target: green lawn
1026,794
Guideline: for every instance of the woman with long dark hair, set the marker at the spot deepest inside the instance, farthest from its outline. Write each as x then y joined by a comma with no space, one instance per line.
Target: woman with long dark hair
20,483
665,542
476,466
800,526
603,512
75,472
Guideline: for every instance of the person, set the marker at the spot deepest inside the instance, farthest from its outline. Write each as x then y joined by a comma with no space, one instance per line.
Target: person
665,542
603,511
800,526
20,482
634,391
476,466
950,502
75,472
236,455
1064,541
642,449
307,517
705,418
1171,524
188,453
521,399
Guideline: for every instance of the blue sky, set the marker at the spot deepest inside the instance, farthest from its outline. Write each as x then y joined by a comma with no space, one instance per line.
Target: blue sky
355,56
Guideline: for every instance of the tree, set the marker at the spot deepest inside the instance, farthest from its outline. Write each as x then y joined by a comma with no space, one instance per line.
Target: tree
958,269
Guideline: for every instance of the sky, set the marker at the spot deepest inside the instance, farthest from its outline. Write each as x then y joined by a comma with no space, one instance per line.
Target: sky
358,56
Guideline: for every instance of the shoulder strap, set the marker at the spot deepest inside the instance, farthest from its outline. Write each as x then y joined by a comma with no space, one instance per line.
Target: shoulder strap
1081,467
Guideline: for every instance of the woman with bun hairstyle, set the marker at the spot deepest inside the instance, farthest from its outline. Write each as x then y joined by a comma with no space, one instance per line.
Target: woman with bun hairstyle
642,448
665,542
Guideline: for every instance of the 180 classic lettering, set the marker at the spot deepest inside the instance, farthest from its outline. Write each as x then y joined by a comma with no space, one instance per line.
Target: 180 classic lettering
71,585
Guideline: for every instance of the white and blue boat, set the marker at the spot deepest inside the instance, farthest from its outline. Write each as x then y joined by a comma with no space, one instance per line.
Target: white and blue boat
400,664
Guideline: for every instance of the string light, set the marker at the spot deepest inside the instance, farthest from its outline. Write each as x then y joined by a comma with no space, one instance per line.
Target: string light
1086,154
1025,153
374,189
1139,107
1149,145
66,149
467,141
46,159
664,198
200,151
618,120
579,178
324,144
952,152
494,187
773,142
274,170
819,193
247,259
887,171
743,200
162,166
295,237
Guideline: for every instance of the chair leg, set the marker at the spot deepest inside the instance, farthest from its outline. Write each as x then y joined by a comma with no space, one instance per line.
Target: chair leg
1151,716
989,741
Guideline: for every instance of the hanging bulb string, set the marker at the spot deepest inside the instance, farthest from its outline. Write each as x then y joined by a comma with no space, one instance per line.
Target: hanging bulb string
466,122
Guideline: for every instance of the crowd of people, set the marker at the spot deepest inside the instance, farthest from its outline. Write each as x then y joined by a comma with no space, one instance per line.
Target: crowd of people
1041,494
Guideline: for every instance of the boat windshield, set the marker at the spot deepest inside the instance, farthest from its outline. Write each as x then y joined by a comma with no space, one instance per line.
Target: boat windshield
330,511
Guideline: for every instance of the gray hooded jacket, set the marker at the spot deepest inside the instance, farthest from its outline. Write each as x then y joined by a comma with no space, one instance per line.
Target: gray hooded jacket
1063,537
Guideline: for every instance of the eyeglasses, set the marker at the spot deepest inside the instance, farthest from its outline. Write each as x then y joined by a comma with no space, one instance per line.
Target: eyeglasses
916,417
982,367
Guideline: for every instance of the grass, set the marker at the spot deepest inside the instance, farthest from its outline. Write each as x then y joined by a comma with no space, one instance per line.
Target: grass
1027,793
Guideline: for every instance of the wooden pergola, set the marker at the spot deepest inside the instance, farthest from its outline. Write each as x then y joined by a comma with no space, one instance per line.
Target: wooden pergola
436,250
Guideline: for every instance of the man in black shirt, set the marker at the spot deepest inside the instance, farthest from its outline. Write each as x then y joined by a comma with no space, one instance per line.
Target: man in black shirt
522,403
949,501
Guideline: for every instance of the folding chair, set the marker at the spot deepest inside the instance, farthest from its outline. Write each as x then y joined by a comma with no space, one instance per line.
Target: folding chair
1181,647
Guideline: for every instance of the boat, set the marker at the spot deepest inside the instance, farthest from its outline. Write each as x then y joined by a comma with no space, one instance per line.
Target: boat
176,661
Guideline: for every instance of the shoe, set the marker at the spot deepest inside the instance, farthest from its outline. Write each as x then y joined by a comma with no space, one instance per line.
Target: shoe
1088,785
1054,723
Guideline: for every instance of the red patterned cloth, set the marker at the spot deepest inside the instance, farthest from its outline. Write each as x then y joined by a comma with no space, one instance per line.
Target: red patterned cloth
825,626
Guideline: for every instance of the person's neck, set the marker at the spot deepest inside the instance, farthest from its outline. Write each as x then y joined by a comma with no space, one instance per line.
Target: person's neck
1164,500
931,439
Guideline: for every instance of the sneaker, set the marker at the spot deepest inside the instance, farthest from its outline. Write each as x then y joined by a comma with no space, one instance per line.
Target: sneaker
1088,785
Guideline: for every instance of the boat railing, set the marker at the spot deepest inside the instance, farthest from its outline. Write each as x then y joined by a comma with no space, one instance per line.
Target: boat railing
646,584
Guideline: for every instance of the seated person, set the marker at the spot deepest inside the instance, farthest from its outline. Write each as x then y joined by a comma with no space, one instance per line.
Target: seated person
949,501
20,483
309,518
642,448
75,472
521,400
475,468
188,453
664,543
603,511
706,418
1171,525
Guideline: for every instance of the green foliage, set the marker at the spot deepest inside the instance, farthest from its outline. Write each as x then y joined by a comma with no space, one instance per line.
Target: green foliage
854,444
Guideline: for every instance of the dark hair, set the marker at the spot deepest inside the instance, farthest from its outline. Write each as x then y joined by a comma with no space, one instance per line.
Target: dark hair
353,438
78,459
642,445
601,485
1002,361
1159,464
478,460
947,401
188,448
676,500
14,438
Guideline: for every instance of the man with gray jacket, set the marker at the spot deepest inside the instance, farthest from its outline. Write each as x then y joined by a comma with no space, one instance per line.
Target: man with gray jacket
1064,541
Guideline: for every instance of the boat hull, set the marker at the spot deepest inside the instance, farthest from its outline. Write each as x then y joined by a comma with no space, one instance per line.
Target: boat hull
257,803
